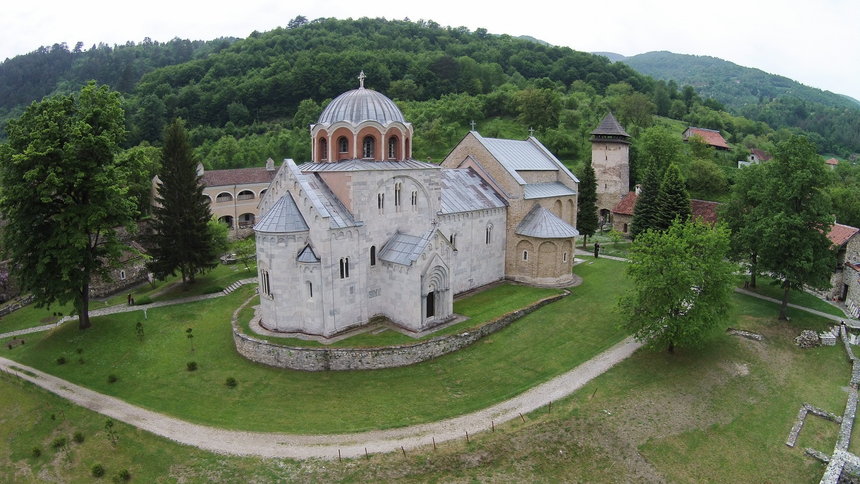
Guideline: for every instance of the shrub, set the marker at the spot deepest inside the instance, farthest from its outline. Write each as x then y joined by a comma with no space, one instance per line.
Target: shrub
142,300
98,470
112,378
123,475
61,360
231,382
78,437
213,289
59,443
37,451
80,350
191,365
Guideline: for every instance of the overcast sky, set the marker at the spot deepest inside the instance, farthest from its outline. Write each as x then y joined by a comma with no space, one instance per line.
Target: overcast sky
813,42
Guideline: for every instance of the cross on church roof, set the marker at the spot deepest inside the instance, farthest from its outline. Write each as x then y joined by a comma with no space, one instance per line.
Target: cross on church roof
361,78
531,132
473,125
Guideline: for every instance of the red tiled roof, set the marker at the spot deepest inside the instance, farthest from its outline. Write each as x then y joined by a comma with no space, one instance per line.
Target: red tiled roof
832,161
711,137
761,154
625,206
239,176
705,210
839,234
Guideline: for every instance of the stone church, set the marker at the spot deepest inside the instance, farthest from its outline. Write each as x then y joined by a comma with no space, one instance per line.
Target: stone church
363,230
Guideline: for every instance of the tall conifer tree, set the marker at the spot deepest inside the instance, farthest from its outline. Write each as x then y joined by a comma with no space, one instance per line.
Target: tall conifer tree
586,209
181,237
645,212
673,201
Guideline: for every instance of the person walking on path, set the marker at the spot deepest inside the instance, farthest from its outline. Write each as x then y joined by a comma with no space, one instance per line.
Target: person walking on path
596,249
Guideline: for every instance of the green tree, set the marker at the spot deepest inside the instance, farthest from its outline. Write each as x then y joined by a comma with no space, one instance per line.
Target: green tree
743,215
645,212
682,284
64,194
659,147
143,163
586,209
673,201
706,178
181,238
792,243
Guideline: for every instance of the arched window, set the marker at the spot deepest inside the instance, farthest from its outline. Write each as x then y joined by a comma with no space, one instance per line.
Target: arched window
368,147
122,275
372,255
397,187
344,267
380,201
525,255
489,237
414,198
245,195
310,290
392,147
342,144
454,240
264,279
224,197
323,153
406,145
564,257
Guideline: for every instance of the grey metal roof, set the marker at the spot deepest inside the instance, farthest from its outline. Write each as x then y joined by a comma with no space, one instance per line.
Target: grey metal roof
519,155
546,190
543,224
361,105
364,165
610,126
283,218
326,202
308,255
464,191
405,249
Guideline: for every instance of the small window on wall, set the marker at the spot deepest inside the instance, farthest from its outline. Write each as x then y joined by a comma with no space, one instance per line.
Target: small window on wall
344,267
323,155
369,146
264,276
392,147
122,275
372,255
380,200
564,257
342,144
525,255
414,198
489,237
397,187
453,240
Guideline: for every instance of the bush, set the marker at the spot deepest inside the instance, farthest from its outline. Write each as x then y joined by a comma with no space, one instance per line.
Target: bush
123,475
191,365
112,378
98,470
213,289
37,451
59,443
61,360
231,382
78,437
142,300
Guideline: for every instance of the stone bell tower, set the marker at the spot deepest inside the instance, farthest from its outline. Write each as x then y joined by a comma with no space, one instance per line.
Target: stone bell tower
610,158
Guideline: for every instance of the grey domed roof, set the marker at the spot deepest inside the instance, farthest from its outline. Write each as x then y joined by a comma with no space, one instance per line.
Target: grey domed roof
361,105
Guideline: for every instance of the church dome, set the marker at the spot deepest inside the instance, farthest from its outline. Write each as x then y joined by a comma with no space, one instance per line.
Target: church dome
361,105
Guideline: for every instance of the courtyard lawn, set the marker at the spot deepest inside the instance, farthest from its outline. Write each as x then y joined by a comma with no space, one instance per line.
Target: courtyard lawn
717,414
30,316
478,308
766,287
153,374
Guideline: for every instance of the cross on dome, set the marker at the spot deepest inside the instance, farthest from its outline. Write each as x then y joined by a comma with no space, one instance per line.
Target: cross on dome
361,78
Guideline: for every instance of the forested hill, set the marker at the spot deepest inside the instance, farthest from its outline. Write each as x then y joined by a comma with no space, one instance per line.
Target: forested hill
753,93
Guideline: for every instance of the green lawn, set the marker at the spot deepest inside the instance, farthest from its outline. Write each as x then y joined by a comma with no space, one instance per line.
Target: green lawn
766,287
717,414
152,373
478,308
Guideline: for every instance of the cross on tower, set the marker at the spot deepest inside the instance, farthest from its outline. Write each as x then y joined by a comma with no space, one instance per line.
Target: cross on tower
473,125
531,132
361,78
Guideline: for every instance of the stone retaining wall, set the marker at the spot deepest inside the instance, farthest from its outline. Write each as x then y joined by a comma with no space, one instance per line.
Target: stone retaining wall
323,359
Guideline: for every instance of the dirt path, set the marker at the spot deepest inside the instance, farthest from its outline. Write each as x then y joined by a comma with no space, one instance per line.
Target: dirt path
275,445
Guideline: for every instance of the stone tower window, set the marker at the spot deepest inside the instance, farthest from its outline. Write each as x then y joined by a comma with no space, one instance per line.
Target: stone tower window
368,147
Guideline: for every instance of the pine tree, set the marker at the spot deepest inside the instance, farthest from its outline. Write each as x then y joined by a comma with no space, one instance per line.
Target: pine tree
586,209
673,201
645,212
181,238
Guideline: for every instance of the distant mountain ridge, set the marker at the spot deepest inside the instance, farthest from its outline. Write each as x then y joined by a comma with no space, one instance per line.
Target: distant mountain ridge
731,84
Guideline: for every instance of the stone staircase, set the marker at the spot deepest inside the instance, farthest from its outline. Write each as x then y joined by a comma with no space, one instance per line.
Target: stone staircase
238,284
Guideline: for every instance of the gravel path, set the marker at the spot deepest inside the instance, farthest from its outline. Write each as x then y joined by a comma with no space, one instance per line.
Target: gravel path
273,445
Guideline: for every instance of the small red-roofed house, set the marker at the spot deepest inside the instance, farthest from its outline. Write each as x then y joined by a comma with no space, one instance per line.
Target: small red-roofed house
831,163
622,213
758,156
711,137
845,282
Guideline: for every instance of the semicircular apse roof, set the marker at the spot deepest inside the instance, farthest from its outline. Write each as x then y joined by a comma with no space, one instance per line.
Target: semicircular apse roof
361,105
